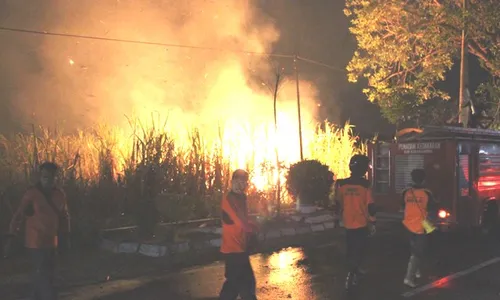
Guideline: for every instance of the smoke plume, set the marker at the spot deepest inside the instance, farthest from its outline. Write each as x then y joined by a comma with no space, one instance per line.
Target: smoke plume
77,82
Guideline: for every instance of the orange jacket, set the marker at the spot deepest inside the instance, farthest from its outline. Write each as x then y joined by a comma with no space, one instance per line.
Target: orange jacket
235,224
43,226
417,202
353,196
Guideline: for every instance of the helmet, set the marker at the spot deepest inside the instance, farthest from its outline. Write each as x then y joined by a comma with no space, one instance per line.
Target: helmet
418,175
359,164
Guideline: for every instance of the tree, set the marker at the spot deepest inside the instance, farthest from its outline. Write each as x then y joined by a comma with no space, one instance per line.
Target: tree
405,47
310,181
488,100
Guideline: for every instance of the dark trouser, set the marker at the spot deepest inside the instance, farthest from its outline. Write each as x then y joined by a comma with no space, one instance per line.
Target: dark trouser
240,279
417,248
418,243
356,240
44,263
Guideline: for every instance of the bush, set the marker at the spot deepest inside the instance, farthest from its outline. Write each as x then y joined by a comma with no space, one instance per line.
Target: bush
310,181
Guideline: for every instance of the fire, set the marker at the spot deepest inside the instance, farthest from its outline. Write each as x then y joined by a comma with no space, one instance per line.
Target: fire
241,122
265,145
254,145
208,82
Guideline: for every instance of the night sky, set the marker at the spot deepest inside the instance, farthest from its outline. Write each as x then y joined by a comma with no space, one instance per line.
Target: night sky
319,30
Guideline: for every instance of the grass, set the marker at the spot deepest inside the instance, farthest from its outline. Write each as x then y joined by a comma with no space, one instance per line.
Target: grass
114,178
334,146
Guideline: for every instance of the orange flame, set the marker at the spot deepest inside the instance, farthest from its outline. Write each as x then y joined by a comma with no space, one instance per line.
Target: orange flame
210,86
243,126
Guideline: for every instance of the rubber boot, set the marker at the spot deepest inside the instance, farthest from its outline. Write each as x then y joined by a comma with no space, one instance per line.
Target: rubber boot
351,280
410,272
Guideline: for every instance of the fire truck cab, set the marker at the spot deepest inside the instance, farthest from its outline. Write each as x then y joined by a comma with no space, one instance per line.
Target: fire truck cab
462,167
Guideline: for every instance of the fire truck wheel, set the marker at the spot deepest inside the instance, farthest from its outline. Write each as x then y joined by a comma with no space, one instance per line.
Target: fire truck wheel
489,224
477,232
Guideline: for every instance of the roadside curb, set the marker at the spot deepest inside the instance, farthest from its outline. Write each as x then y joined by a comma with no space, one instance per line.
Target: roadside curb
308,224
155,250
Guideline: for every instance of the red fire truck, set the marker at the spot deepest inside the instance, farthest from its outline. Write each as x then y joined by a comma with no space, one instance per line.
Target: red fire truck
463,172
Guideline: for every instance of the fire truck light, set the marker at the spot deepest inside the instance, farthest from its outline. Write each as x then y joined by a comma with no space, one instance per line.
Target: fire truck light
443,214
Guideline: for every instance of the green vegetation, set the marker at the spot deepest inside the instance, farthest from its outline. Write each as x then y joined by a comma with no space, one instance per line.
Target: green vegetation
309,182
405,48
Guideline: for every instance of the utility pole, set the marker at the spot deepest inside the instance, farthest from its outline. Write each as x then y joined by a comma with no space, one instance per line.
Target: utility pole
464,68
295,65
278,165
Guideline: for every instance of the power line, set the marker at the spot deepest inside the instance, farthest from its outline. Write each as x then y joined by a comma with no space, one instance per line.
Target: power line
89,37
320,64
171,45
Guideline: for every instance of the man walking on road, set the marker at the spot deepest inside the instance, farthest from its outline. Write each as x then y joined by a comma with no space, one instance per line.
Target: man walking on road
236,233
417,203
353,200
45,213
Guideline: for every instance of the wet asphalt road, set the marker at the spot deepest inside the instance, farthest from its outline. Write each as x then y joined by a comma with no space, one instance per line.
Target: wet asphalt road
317,271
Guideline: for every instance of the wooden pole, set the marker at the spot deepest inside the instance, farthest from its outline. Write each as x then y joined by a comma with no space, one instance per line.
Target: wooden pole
464,69
298,106
278,166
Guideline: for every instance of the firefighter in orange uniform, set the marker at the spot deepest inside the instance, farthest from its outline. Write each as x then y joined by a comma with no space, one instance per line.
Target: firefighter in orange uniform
237,231
354,202
417,203
45,213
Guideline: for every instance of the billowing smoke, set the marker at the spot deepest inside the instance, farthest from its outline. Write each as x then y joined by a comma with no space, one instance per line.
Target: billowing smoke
77,82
